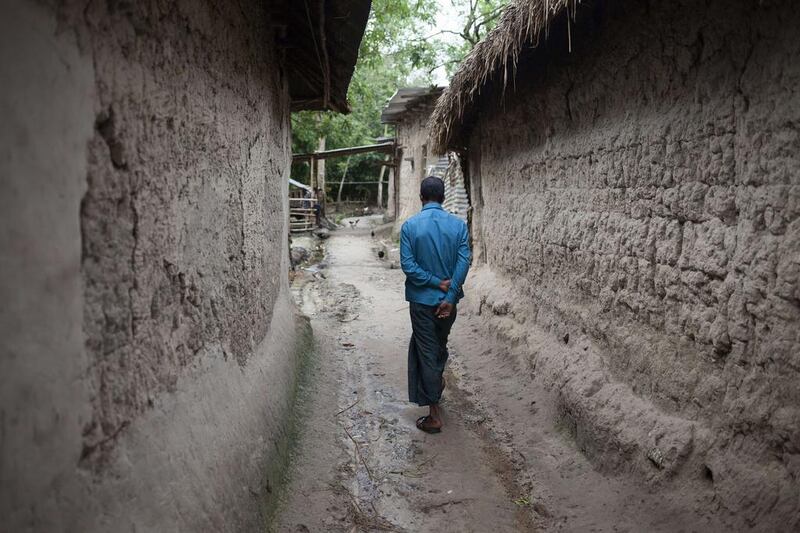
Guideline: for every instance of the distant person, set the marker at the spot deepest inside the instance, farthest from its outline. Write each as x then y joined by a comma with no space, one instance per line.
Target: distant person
319,206
435,256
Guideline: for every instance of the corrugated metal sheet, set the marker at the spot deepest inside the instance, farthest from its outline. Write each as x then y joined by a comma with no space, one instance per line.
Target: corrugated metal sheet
405,99
456,200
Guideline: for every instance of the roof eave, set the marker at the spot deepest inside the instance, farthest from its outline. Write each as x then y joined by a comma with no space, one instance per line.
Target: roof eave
322,42
406,100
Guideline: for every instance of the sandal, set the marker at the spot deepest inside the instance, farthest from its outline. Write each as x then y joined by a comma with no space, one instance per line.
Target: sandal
427,429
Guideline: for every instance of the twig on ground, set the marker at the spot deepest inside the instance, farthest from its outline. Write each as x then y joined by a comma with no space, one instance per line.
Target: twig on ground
348,407
428,508
358,452
355,503
360,518
407,473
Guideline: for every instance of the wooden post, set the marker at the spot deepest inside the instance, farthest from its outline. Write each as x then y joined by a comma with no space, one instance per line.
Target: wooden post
380,188
391,194
321,165
380,181
341,183
383,169
312,180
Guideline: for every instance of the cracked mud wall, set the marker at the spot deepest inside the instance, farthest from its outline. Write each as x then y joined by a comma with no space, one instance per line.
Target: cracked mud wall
640,200
150,346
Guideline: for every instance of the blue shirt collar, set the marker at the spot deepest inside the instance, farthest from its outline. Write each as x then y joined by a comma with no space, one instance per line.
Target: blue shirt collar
431,205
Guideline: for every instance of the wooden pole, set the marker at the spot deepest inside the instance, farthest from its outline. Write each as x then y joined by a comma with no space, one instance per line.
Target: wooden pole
341,183
321,166
390,201
383,169
380,188
380,181
386,148
312,180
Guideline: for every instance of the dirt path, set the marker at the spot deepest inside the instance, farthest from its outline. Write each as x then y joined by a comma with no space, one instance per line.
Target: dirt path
361,465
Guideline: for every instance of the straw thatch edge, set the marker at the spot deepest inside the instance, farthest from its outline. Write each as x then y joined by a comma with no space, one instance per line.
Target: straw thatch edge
522,24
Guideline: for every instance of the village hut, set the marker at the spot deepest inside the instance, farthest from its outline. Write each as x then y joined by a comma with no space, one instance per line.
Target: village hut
634,173
409,110
150,348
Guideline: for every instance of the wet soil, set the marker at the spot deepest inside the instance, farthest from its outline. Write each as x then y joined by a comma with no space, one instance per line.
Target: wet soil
502,462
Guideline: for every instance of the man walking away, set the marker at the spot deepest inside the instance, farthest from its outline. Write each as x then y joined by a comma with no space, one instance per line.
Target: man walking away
435,256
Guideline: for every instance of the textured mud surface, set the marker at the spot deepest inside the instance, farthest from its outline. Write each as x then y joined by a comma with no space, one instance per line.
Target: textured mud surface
505,460
412,134
639,198
149,344
178,237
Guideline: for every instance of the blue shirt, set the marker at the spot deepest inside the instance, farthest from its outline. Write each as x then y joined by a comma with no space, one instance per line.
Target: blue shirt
434,246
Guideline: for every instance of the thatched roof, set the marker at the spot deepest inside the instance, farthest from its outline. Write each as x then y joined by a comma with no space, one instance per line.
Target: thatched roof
522,25
321,39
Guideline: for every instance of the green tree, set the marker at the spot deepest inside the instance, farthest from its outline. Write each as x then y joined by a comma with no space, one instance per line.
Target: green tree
387,57
392,55
479,17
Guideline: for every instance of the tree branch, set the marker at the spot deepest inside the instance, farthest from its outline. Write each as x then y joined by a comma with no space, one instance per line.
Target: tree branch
421,39
489,17
448,62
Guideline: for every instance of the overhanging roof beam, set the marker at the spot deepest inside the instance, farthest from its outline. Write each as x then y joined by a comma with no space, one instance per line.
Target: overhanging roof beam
338,152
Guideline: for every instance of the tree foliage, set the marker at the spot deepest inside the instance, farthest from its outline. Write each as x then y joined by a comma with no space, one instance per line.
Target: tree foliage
479,17
395,52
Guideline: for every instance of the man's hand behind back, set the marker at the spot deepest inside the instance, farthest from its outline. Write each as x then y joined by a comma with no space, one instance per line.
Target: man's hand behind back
444,309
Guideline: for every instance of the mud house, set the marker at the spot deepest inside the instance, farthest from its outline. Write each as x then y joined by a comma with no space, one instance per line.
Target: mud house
634,168
149,347
409,110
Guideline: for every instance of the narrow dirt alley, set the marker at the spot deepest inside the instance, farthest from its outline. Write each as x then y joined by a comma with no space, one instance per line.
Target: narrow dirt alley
500,464
361,465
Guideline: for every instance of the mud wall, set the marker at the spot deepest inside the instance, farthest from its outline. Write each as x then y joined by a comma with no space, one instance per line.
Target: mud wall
640,197
412,138
149,346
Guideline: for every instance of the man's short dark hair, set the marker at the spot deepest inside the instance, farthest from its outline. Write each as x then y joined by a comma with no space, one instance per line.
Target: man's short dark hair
432,190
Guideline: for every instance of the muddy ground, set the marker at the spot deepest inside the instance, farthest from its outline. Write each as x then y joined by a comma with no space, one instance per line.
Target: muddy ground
502,463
